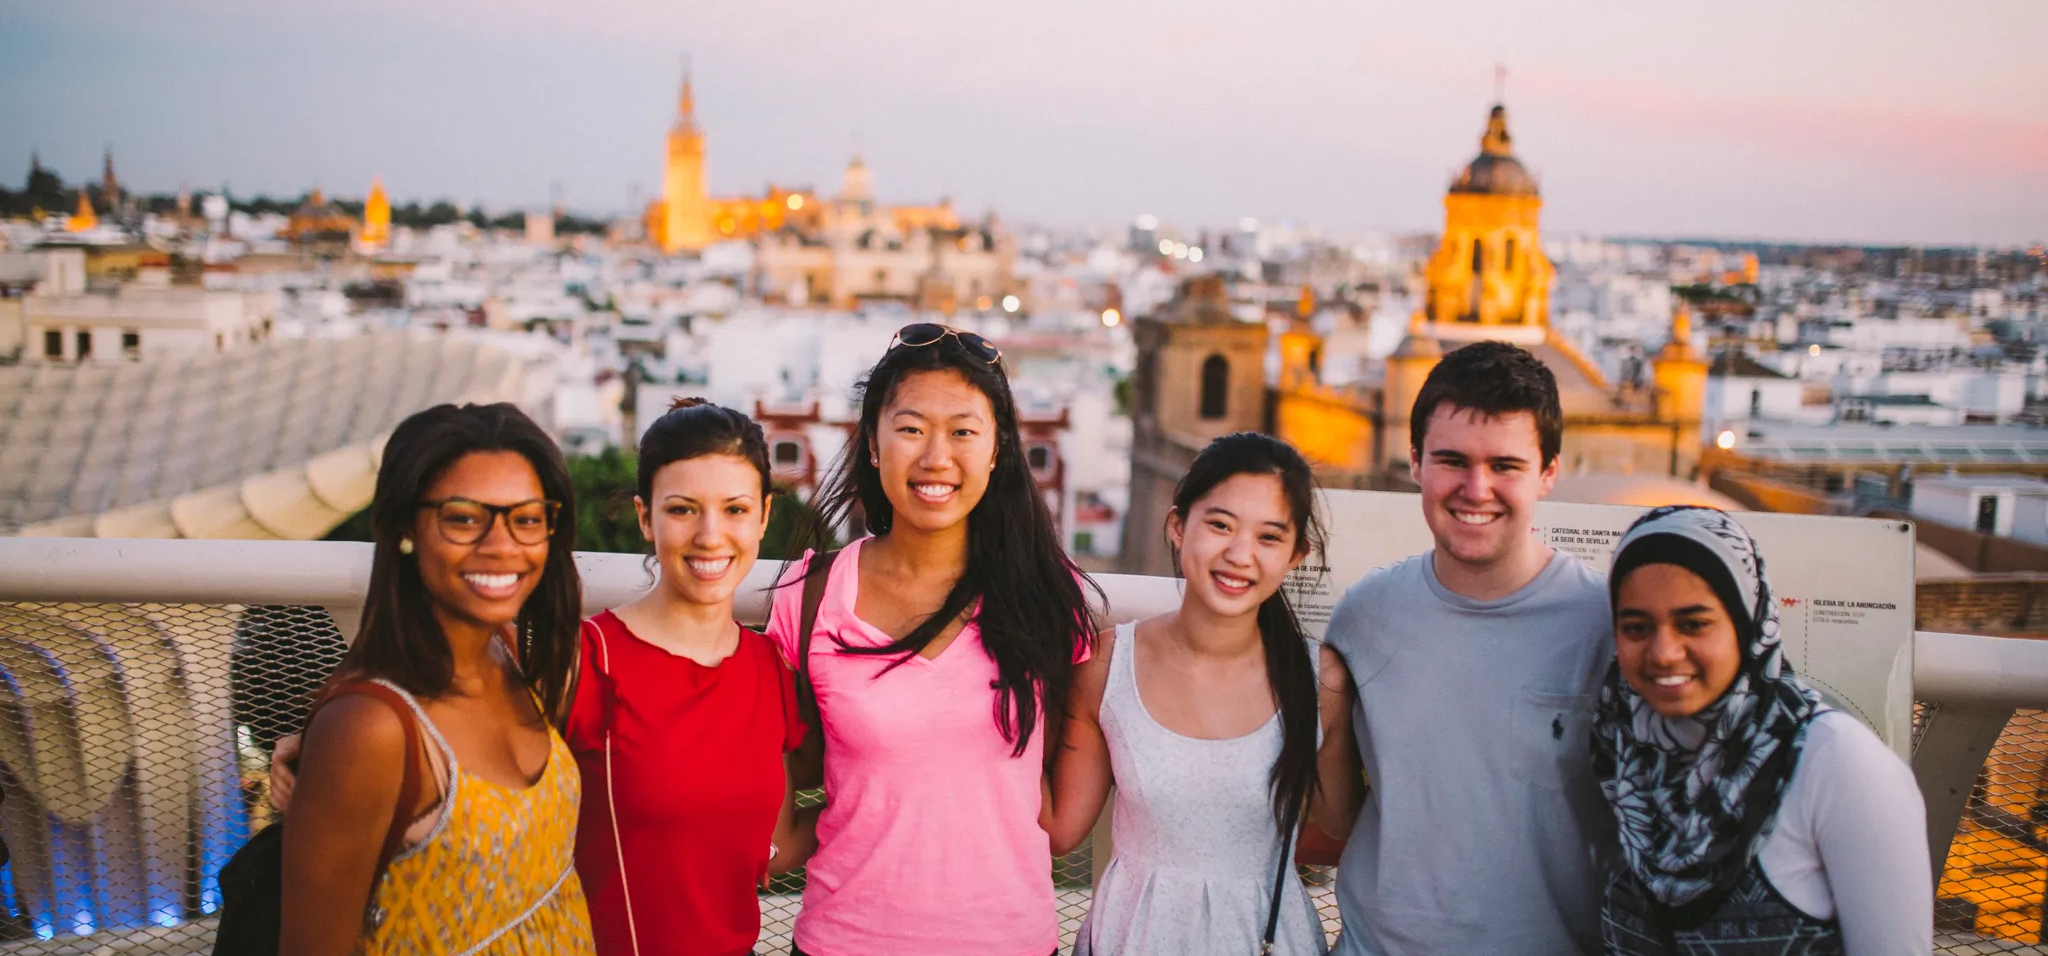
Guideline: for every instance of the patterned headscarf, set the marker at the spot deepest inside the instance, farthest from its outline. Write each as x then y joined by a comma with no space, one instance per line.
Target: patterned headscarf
1695,796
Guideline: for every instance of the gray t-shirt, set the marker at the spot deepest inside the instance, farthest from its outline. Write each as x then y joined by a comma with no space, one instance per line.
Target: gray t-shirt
1484,830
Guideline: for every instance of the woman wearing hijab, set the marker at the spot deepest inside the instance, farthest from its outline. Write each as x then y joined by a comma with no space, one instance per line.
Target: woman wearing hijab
1754,818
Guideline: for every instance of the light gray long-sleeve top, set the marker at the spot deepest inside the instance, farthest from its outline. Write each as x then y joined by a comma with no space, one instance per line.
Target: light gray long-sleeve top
1850,841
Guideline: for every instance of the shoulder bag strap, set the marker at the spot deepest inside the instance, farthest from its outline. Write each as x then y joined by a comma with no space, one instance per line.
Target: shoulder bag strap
1279,882
816,574
569,692
409,784
611,808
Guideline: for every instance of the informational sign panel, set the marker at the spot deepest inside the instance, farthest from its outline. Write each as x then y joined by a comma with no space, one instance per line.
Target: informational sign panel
1844,586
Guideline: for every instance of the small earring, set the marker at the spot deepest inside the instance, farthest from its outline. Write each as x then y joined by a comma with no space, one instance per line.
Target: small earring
405,546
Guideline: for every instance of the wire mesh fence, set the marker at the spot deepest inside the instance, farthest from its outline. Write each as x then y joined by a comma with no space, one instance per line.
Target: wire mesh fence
135,744
1991,893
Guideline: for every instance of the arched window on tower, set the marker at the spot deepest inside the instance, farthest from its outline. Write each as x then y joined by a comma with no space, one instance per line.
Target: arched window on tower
1215,387
1509,264
1472,313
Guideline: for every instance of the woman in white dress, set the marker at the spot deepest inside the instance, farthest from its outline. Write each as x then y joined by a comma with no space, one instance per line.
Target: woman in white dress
1205,722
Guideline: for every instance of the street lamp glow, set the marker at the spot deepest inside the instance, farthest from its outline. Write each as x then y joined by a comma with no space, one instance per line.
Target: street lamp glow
1725,440
1011,303
796,202
1110,318
1813,350
1194,253
1166,247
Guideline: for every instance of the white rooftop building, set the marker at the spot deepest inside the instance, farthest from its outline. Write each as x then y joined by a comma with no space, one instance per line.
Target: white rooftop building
145,320
2007,505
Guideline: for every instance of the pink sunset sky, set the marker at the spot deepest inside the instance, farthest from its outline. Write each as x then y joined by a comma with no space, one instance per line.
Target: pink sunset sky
1875,121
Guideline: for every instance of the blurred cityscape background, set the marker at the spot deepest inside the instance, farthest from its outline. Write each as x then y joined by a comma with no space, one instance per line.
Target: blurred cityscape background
1779,259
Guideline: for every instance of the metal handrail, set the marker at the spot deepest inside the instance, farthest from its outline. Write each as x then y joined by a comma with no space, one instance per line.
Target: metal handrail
1977,670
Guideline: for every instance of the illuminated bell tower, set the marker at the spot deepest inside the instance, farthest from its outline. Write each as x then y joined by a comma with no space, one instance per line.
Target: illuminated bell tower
376,217
686,203
84,220
1681,375
1489,277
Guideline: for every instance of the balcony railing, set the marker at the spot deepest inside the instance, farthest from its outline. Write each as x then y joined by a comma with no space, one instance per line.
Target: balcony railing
142,681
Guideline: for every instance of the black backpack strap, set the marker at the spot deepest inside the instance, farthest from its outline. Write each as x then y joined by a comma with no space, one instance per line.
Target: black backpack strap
816,574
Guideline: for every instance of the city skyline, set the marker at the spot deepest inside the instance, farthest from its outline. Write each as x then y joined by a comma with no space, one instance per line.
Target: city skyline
1831,122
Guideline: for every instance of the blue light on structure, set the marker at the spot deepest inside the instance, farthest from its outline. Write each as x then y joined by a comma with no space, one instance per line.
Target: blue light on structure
41,926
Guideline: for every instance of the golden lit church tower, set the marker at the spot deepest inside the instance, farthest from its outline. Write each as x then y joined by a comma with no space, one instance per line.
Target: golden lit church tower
684,223
1489,278
376,232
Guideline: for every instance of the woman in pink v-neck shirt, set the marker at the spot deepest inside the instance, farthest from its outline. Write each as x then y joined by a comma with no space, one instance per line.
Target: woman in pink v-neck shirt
942,648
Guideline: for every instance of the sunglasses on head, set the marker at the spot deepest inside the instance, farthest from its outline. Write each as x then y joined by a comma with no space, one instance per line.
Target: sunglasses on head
917,335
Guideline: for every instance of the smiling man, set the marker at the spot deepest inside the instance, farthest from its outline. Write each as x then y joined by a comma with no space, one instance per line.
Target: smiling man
1477,664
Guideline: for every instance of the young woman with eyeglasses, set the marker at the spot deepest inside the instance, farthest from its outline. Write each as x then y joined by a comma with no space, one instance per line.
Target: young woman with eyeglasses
436,807
682,717
940,657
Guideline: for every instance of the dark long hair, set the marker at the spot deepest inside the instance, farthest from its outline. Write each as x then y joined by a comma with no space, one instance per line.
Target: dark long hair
1032,611
401,640
1289,670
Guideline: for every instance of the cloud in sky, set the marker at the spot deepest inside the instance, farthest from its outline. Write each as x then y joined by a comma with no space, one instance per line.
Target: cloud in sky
1879,120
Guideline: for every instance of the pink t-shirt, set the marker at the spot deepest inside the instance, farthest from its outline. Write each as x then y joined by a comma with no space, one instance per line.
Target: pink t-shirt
930,842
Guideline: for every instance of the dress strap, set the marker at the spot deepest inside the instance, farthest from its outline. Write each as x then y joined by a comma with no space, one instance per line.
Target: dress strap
444,773
1121,690
433,732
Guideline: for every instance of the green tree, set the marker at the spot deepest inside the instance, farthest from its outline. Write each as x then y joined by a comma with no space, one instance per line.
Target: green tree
788,519
604,502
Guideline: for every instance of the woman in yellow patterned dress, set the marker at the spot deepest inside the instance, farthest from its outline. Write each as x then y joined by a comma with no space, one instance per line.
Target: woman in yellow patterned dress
474,524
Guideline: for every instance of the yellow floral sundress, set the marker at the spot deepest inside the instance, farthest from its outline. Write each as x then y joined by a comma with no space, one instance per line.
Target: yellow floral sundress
494,877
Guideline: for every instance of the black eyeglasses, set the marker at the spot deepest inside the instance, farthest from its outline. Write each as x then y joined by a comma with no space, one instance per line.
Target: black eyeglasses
462,521
917,335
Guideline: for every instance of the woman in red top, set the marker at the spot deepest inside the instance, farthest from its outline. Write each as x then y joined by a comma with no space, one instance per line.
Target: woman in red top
682,717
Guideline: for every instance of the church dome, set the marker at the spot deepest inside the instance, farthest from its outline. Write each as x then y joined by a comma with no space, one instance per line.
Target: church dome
1496,171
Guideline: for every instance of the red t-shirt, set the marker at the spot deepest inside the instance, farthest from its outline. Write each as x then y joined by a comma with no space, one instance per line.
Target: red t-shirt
696,780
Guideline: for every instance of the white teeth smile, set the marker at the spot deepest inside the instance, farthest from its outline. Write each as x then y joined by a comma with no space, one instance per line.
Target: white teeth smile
709,567
1671,680
932,491
1235,584
492,582
1467,517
